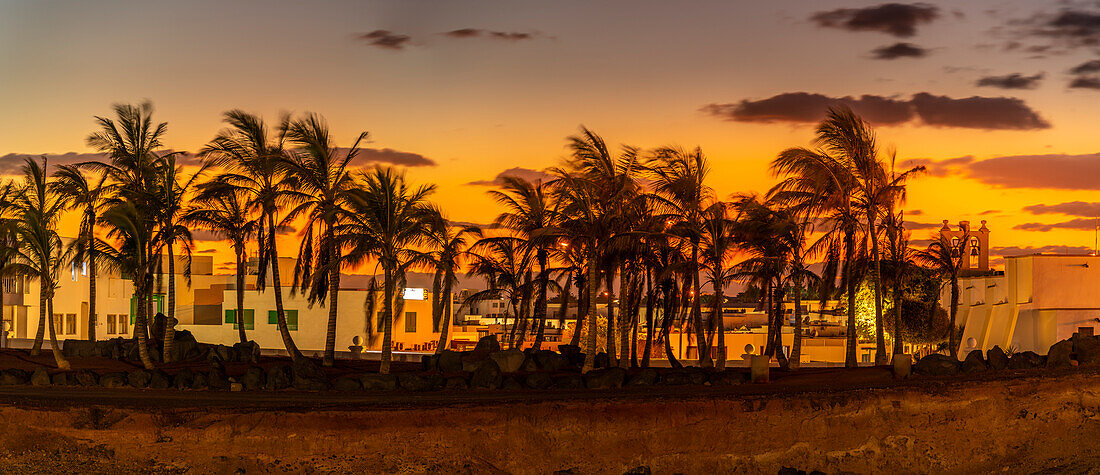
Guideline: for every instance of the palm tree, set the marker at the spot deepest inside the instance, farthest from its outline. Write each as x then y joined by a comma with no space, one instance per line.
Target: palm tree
527,212
173,189
760,229
717,244
387,218
505,263
448,246
945,257
322,187
254,163
226,214
132,256
679,182
90,197
39,254
900,261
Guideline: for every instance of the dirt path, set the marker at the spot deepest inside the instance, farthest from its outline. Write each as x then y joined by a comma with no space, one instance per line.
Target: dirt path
1020,424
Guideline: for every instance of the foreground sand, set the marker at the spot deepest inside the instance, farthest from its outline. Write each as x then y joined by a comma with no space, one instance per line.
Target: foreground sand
1022,424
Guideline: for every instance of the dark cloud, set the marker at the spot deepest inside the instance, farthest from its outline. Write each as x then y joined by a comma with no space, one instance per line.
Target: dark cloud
12,163
497,35
1072,208
393,157
207,251
975,112
482,226
1029,250
899,50
988,113
1011,81
989,212
1086,67
938,168
1077,224
914,212
917,225
385,39
1057,171
1085,82
1071,27
203,235
893,18
519,172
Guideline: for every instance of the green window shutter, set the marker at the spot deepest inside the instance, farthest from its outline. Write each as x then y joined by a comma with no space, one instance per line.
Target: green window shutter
292,320
230,317
249,319
272,317
410,322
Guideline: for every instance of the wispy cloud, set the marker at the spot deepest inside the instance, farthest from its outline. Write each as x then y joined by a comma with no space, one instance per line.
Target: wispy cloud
896,19
385,39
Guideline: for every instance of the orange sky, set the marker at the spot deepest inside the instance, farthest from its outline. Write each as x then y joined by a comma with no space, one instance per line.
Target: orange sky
524,75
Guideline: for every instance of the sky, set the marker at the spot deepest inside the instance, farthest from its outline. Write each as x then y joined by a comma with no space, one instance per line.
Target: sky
997,99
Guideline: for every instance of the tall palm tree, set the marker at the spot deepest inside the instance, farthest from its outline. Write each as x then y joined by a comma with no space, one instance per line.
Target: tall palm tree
900,260
448,252
322,187
39,254
253,162
388,217
132,256
945,257
717,243
226,214
679,180
89,196
174,188
528,211
760,230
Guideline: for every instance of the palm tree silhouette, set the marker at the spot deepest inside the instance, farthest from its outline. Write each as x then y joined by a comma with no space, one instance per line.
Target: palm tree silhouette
88,195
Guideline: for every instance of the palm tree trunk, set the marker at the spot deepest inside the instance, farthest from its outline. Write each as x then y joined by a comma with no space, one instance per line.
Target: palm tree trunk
667,318
334,294
564,296
540,299
627,294
720,324
387,319
240,298
954,311
593,285
92,320
284,330
649,303
36,349
850,360
780,316
697,310
141,324
897,310
796,348
58,358
770,317
170,320
582,303
445,321
880,341
609,343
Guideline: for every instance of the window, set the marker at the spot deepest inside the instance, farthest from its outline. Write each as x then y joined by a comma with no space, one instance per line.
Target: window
70,324
57,320
249,318
975,247
111,327
123,325
410,322
291,318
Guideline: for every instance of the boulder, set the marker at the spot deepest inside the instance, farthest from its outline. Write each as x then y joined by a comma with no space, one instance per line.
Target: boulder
609,378
512,382
159,379
572,354
216,377
139,378
1087,349
74,348
601,361
248,352
455,382
998,360
973,363
279,377
529,363
199,381
449,361
86,378
538,380
509,361
378,382
40,377
13,376
729,377
1060,354
568,381
254,378
550,361
184,379
487,375
185,350
937,365
1025,360
63,378
308,376
487,344
347,383
639,470
644,377
114,380
419,381
675,377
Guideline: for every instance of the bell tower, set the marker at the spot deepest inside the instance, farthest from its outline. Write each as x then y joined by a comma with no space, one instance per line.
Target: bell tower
975,251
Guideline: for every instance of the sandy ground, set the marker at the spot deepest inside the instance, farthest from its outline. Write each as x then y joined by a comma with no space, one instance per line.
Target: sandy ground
1010,422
